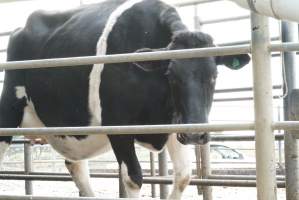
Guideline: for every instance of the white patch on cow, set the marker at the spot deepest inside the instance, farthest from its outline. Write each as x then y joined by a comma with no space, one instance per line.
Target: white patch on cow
132,189
95,75
70,147
179,155
30,118
3,148
20,92
148,146
80,174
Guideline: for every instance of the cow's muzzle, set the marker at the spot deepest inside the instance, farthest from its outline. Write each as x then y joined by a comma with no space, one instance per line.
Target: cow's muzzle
193,138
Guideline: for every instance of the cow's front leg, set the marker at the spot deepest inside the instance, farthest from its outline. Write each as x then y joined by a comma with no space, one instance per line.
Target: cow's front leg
124,150
11,113
179,155
80,173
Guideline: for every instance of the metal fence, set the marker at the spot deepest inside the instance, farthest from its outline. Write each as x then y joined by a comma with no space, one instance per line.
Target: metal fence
266,180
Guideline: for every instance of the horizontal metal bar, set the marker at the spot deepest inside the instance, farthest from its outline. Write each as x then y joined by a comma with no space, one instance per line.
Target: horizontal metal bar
222,138
113,173
93,175
116,130
19,141
229,19
244,42
193,2
146,180
135,57
240,177
286,125
7,33
12,1
239,99
284,47
233,99
214,138
143,129
243,89
8,197
129,57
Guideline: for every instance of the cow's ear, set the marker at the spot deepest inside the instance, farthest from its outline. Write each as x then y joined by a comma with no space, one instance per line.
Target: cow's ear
234,61
149,66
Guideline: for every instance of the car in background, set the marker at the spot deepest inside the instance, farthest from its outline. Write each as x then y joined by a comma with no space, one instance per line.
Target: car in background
224,152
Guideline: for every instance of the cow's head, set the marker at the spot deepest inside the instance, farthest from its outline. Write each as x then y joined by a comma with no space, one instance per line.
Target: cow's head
192,81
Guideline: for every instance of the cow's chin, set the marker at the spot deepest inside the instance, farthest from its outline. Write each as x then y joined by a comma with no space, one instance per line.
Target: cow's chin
193,138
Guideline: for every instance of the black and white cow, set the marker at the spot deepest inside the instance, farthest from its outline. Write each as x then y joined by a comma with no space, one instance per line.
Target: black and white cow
158,92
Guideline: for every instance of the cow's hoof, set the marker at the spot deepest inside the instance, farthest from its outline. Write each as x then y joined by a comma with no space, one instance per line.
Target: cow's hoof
174,197
86,194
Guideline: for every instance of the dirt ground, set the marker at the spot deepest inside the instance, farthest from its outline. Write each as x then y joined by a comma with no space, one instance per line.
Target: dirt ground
108,188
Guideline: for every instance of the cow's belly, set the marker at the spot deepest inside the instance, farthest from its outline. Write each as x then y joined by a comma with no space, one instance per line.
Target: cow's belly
70,147
80,149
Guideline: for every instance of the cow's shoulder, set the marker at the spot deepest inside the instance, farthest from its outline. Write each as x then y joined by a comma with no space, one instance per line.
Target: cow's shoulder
43,22
15,50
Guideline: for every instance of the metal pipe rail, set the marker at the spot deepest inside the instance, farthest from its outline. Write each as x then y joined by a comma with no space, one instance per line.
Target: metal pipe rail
240,177
6,197
114,174
243,89
193,2
247,42
7,33
214,138
144,129
240,99
229,19
242,42
128,57
223,138
146,180
12,1
148,56
92,175
116,130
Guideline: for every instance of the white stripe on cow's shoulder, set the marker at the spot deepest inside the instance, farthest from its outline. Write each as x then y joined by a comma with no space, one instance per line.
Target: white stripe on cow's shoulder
95,75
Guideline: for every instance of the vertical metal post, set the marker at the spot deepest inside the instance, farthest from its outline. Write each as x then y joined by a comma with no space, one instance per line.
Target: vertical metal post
28,167
163,171
290,34
264,137
198,168
279,143
206,170
153,173
197,24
